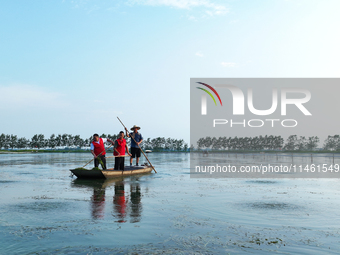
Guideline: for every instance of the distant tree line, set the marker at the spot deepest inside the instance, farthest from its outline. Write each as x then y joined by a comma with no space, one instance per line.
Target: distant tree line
165,144
293,143
59,141
241,143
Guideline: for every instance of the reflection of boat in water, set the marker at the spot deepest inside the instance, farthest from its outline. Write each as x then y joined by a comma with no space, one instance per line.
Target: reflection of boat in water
125,203
109,173
96,184
98,196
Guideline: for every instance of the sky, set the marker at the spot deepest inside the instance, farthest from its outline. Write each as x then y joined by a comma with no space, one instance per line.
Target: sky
73,66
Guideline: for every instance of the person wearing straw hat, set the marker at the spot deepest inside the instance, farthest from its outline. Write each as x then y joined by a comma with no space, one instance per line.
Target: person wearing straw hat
135,150
98,149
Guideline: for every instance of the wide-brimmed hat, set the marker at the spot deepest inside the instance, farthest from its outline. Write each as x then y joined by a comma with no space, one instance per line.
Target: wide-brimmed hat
134,126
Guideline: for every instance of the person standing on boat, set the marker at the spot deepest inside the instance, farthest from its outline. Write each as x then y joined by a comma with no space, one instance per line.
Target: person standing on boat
97,147
135,149
119,150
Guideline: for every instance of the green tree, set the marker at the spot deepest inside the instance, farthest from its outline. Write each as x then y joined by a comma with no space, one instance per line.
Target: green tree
86,142
38,141
216,143
168,144
179,144
185,147
70,140
7,142
64,140
254,143
79,142
301,143
2,140
41,141
291,143
23,143
58,140
200,143
208,142
331,142
312,143
278,142
13,142
51,142
147,144
157,143
34,142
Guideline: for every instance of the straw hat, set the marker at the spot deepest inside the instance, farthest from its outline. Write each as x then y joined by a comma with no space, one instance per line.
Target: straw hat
134,126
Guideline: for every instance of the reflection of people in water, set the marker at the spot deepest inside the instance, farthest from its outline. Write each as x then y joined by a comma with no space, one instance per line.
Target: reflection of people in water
119,201
136,205
98,203
121,204
122,207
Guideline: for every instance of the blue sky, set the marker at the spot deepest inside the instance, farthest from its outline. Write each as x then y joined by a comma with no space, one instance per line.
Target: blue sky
73,66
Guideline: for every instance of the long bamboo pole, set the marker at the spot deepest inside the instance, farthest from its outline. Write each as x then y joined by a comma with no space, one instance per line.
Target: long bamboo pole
118,156
139,147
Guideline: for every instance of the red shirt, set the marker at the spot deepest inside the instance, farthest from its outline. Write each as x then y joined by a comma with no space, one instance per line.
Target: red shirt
98,148
120,147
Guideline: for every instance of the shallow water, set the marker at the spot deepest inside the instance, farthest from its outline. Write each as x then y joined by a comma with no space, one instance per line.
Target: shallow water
46,211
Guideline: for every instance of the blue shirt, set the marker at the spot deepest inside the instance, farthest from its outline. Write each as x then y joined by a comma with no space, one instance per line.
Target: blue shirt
138,137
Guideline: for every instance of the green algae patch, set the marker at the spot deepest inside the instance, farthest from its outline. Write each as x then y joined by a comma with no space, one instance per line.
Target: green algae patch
100,162
80,168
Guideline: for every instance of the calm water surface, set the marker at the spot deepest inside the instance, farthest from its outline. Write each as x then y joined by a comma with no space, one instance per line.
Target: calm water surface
46,211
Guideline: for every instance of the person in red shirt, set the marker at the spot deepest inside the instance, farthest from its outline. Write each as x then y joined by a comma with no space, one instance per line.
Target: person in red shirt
98,149
119,150
119,201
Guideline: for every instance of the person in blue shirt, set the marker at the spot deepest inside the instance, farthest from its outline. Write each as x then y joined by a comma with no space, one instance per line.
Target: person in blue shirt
135,149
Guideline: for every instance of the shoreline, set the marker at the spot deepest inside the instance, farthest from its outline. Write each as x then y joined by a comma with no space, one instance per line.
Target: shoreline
195,152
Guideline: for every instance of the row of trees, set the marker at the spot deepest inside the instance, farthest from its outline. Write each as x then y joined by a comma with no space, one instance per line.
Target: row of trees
268,143
332,143
302,143
293,142
39,141
241,143
59,141
165,144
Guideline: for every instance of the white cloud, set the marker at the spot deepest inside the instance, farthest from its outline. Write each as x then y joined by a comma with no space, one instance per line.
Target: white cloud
199,54
212,8
228,64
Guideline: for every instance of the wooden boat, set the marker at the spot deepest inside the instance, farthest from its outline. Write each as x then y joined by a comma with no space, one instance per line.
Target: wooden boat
110,173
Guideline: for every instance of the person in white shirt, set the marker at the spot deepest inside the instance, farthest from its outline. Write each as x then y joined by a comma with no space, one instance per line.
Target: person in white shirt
98,149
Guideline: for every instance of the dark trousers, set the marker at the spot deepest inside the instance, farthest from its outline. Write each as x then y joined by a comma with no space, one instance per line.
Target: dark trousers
96,161
119,163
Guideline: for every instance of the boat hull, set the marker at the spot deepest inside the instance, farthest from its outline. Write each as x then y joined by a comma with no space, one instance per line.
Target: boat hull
110,173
